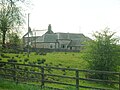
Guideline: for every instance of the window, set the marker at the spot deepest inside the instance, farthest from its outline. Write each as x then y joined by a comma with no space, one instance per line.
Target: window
62,46
50,46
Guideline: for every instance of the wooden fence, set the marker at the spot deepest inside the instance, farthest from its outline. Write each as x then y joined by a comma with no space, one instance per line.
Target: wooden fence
46,76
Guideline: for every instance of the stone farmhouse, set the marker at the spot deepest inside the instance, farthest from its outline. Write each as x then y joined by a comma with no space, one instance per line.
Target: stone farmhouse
51,40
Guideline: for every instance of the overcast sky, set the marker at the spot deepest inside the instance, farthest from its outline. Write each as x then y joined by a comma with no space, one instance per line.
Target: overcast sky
76,16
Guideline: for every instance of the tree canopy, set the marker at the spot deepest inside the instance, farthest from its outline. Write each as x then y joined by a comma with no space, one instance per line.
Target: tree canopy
10,17
102,53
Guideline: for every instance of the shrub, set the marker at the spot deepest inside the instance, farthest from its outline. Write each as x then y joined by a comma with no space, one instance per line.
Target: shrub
102,53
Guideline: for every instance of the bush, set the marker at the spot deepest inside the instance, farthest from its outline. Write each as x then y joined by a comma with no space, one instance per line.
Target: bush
102,53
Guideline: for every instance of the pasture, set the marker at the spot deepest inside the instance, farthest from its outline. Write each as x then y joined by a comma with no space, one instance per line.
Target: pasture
60,60
7,85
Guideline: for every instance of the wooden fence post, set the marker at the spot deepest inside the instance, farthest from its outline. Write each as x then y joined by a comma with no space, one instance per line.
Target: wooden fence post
42,75
14,72
77,80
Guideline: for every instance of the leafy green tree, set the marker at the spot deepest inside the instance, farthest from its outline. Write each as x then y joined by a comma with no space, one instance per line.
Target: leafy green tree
102,52
14,39
10,17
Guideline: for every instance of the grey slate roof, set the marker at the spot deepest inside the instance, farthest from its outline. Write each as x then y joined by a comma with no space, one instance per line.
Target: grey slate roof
63,35
76,36
50,37
75,43
76,39
71,36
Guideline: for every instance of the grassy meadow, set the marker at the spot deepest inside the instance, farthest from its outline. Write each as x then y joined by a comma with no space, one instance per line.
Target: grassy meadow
67,59
9,85
55,59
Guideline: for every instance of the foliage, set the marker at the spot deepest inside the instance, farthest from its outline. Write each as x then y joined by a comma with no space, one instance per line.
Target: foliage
102,53
10,17
14,39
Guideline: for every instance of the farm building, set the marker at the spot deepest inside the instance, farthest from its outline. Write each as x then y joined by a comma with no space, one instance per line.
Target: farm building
51,40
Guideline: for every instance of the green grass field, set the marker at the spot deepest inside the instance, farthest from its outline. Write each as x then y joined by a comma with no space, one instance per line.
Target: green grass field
7,85
72,60
57,59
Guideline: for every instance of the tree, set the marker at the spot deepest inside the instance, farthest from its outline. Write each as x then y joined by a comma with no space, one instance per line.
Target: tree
10,17
14,39
102,53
